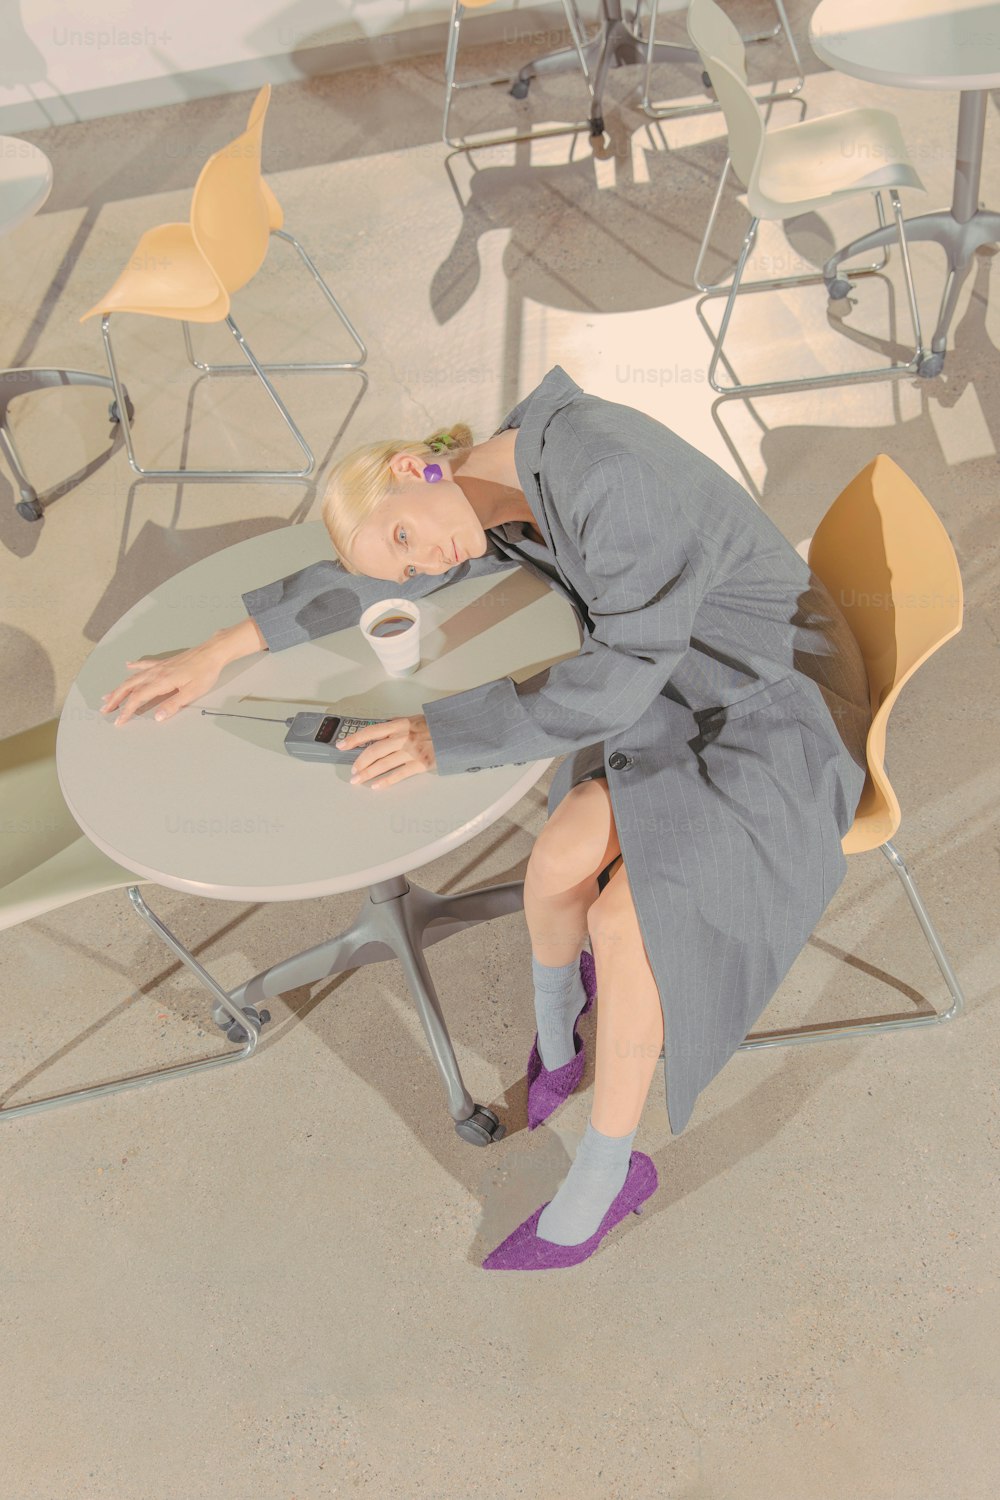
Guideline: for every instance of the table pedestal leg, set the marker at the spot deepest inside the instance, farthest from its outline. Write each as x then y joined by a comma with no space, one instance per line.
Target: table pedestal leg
15,383
960,230
615,45
399,920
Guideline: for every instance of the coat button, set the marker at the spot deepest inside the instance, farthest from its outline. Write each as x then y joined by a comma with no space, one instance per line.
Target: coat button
619,761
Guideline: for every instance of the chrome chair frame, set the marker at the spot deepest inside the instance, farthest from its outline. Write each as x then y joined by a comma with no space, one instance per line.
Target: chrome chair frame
869,1025
463,143
253,366
298,364
682,110
248,1022
398,920
828,275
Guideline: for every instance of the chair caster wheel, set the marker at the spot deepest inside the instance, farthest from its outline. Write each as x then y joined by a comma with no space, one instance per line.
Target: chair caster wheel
29,510
929,366
234,1031
481,1127
837,289
519,88
114,415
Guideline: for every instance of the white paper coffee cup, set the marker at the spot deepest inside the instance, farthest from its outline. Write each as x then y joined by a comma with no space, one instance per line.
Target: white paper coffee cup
392,629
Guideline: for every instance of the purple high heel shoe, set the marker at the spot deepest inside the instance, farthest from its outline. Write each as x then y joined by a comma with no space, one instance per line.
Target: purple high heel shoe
524,1251
547,1088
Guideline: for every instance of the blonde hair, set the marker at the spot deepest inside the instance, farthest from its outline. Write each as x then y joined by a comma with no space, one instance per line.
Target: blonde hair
359,483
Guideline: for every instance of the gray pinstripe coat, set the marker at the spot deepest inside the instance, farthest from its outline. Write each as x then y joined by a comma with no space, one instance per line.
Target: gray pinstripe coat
717,688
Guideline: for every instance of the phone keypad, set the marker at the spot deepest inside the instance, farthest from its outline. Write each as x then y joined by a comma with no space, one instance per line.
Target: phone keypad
351,726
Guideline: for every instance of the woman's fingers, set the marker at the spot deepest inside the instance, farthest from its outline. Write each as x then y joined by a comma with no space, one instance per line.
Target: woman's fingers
137,701
169,683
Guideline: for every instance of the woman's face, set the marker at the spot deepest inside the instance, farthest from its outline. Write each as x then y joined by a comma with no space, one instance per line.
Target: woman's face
418,528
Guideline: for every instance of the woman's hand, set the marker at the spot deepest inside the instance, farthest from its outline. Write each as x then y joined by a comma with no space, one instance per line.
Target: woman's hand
184,676
402,746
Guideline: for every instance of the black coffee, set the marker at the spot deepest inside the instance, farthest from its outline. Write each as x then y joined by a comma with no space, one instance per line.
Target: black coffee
391,625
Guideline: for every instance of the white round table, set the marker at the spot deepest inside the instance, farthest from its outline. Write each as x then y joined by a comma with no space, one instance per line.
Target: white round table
25,183
926,44
217,806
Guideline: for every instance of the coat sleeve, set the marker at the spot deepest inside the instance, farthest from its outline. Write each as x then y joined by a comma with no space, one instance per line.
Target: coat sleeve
648,569
324,597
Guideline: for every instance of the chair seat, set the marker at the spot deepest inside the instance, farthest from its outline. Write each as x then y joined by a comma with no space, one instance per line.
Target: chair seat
812,163
79,870
167,276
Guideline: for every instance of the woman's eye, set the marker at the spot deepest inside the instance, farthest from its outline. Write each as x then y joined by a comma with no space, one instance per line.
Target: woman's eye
411,570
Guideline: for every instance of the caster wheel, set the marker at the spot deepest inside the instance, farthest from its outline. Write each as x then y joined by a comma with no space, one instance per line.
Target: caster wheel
114,415
234,1031
929,366
837,289
519,88
29,510
597,126
481,1127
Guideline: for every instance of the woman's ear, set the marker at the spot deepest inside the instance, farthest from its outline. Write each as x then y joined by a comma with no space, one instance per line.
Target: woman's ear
405,466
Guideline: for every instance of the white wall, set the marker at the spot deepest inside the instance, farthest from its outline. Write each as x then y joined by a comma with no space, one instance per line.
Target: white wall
58,63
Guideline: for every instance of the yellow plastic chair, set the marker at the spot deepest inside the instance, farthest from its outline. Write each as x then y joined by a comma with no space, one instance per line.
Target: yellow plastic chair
889,564
463,143
46,862
190,272
801,168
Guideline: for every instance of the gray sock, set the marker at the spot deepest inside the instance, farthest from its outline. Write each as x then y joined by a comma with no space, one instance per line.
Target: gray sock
559,999
590,1187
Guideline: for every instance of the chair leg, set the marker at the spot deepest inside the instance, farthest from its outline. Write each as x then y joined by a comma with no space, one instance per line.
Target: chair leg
354,364
681,110
228,474
867,1025
462,143
721,289
847,377
246,1022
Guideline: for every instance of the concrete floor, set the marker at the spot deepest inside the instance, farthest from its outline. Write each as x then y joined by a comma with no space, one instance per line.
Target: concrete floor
265,1283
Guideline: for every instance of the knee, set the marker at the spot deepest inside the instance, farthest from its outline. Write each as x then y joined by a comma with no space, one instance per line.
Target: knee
571,844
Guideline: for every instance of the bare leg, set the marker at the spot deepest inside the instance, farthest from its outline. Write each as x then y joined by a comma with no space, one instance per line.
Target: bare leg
629,1015
560,884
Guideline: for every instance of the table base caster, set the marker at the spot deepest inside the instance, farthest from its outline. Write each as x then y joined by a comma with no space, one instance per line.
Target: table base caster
29,509
930,365
836,290
114,415
234,1031
481,1128
519,88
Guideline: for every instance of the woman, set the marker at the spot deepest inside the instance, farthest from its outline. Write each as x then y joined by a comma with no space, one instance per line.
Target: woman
713,722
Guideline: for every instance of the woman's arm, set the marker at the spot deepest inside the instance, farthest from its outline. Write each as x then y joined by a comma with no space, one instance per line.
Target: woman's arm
324,597
181,678
648,574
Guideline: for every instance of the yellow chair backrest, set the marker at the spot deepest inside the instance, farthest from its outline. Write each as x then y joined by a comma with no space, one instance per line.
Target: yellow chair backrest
231,214
721,49
887,560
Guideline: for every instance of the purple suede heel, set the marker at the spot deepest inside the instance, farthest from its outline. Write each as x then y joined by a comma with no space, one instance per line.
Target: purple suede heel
548,1088
524,1251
